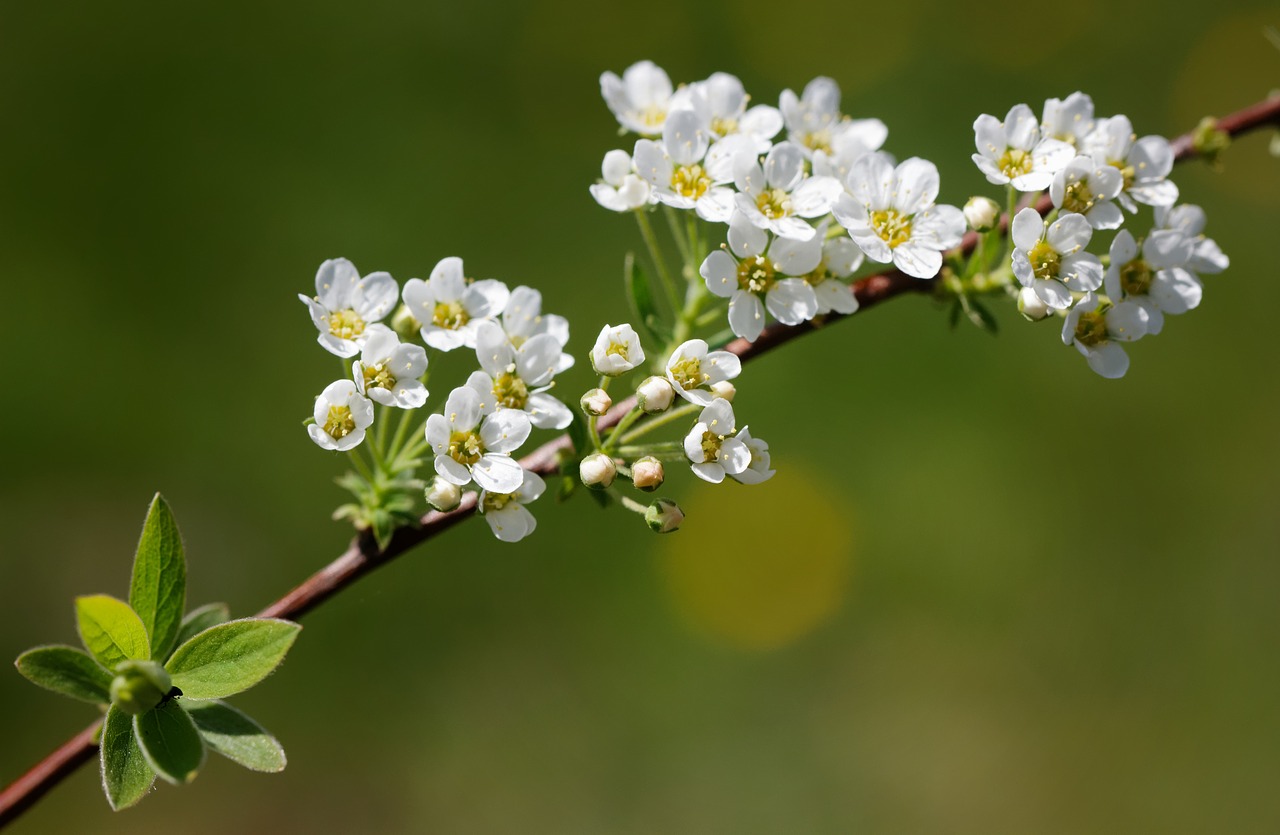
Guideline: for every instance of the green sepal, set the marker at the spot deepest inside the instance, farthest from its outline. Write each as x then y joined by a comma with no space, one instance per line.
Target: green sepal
236,737
578,434
68,671
640,300
170,742
158,590
126,776
225,659
111,631
198,620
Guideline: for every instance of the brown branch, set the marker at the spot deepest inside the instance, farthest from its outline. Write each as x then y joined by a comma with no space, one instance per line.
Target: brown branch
363,556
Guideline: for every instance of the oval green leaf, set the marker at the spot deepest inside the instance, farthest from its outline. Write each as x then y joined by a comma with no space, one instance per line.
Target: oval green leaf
111,631
126,777
68,671
236,736
170,742
230,657
198,620
158,591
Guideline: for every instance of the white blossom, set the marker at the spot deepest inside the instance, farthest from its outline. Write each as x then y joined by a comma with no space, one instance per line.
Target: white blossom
622,190
640,99
832,140
388,370
720,103
693,368
1087,188
470,445
1206,257
1143,163
711,447
779,195
1069,120
341,415
1157,279
758,470
617,350
518,378
1098,330
450,308
686,172
506,513
523,319
829,280
1013,151
346,304
1050,258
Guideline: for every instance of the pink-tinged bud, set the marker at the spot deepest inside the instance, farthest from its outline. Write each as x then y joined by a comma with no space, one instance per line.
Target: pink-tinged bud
664,516
647,474
596,402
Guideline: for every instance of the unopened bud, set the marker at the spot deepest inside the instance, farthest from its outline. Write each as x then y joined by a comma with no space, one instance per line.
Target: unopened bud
404,323
982,213
139,686
443,495
654,395
724,390
1031,306
597,471
647,474
596,402
664,516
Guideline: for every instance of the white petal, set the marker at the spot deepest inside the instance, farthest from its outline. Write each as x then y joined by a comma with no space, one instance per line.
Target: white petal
791,301
916,260
835,295
546,412
1176,291
1081,272
746,239
746,315
451,471
497,473
504,431
511,523
916,185
485,299
1108,359
1028,226
720,272
462,409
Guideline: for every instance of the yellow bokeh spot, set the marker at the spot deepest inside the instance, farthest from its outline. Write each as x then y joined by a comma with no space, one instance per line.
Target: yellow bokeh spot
761,566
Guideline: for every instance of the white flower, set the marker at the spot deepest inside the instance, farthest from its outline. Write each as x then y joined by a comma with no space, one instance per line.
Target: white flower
692,369
685,171
721,105
1097,333
832,140
523,319
982,213
711,447
1050,258
518,378
342,415
758,470
1206,256
1087,187
622,190
597,471
778,196
829,280
762,270
1143,163
449,308
471,445
506,513
1069,120
346,304
856,138
1158,280
1013,151
617,350
388,371
890,214
640,99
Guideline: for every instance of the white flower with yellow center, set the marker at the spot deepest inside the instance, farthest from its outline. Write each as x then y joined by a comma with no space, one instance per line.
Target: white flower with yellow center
779,195
388,370
506,513
622,189
341,415
1158,278
721,105
1143,163
1206,256
758,470
471,445
523,319
450,307
1097,329
760,275
686,172
640,99
815,123
693,369
890,214
346,304
1050,258
518,378
711,447
829,280
617,350
1069,120
1013,151
1087,188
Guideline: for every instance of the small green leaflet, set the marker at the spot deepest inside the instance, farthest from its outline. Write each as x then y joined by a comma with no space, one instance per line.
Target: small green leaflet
111,631
126,777
236,736
230,657
170,742
198,620
68,671
158,591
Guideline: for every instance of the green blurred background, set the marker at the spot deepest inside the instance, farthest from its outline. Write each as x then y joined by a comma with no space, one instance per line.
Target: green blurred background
987,592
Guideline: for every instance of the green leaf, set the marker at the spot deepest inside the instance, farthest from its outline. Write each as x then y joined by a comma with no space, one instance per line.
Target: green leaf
158,592
982,317
578,435
68,671
170,742
230,657
640,299
236,736
111,631
126,777
198,620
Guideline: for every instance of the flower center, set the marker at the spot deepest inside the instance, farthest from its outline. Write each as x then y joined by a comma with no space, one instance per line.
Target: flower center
1091,328
1014,163
653,116
1045,260
711,445
1078,198
377,376
1127,171
893,227
818,140
339,423
1136,277
723,127
756,274
465,447
687,373
510,391
690,181
449,315
495,501
346,324
774,202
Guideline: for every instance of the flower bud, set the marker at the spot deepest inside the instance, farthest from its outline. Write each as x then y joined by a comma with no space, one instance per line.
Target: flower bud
617,350
982,213
139,686
724,390
647,474
404,323
442,495
1031,306
596,402
655,395
664,516
597,471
